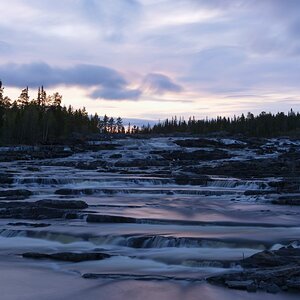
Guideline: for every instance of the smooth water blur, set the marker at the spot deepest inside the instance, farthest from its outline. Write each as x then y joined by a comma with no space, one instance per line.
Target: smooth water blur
183,233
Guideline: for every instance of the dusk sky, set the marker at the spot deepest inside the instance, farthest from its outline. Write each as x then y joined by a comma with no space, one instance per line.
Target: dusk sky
152,59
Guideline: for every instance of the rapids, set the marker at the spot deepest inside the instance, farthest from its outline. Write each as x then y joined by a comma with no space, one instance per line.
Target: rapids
174,233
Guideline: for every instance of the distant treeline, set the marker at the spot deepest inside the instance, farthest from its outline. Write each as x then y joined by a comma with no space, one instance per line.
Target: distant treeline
262,125
44,120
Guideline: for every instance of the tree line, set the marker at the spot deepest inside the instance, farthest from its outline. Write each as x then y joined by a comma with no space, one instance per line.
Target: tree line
262,125
44,120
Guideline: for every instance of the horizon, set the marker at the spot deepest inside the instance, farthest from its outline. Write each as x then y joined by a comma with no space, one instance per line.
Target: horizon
139,58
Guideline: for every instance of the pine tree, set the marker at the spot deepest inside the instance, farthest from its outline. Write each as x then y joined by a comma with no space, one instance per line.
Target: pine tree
119,124
23,99
111,125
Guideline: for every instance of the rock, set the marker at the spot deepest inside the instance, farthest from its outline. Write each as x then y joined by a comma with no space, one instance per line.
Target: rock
42,209
71,216
257,192
293,283
16,193
193,156
281,257
14,198
102,146
62,204
75,191
116,156
203,143
33,169
68,256
92,165
287,200
252,288
287,185
271,271
34,213
198,143
239,284
5,179
109,219
257,168
29,224
199,180
262,285
273,288
138,163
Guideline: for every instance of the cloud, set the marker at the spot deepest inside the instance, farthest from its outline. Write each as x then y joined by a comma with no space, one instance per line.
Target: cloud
117,94
107,83
37,74
4,47
110,83
159,84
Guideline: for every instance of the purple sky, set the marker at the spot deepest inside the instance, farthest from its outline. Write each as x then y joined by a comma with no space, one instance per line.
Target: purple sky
155,58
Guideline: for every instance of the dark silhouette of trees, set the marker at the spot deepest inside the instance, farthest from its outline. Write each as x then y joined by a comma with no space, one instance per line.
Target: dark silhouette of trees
262,125
119,125
45,120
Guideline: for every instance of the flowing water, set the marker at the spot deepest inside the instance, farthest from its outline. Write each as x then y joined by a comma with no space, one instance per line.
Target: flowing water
179,234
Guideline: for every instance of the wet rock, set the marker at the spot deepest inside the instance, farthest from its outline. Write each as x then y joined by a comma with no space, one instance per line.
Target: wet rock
102,146
124,276
92,165
14,198
16,193
256,168
189,180
34,213
66,192
257,192
287,200
239,284
281,257
116,156
273,288
206,142
198,143
62,204
252,288
82,165
287,185
138,163
293,283
109,219
35,225
67,256
71,216
194,155
6,179
33,169
271,271
43,209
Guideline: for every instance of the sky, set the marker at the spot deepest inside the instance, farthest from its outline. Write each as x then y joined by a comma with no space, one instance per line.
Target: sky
152,59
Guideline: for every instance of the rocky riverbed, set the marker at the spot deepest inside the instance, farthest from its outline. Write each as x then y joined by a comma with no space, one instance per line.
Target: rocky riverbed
162,215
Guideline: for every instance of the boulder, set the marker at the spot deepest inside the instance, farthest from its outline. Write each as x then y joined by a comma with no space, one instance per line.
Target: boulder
68,256
109,219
